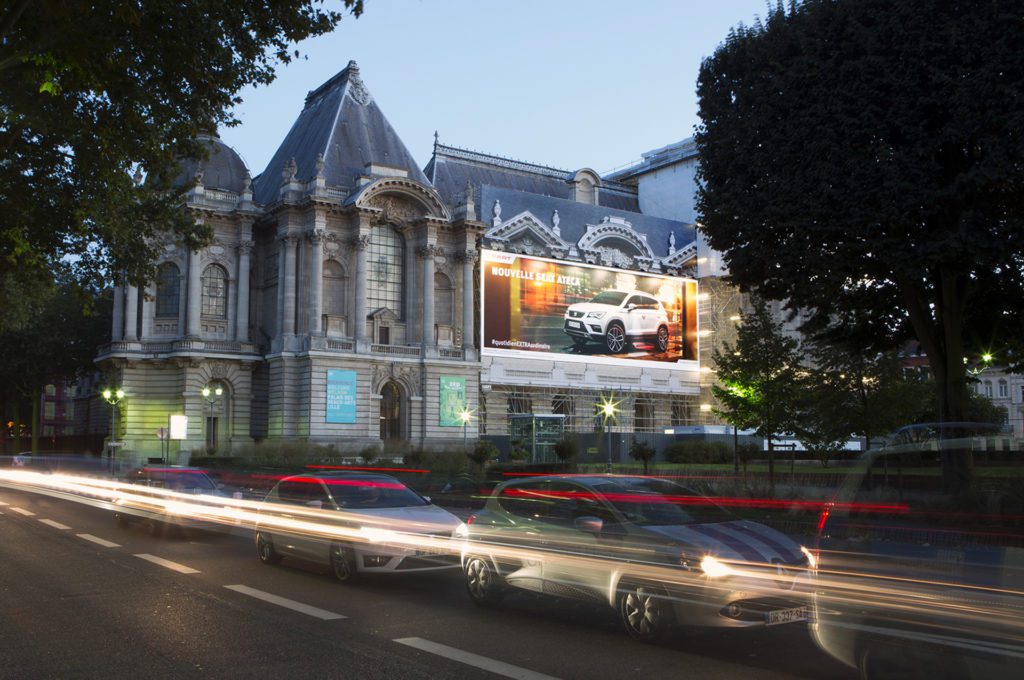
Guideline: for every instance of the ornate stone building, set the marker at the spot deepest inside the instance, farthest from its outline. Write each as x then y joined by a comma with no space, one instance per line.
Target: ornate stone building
341,292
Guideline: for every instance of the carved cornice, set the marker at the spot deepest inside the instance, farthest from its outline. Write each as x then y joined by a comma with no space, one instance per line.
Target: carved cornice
245,247
361,242
430,250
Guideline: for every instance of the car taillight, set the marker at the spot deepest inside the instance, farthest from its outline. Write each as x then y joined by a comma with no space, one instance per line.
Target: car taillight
469,520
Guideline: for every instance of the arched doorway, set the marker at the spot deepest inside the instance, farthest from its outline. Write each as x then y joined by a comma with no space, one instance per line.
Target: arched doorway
216,415
390,412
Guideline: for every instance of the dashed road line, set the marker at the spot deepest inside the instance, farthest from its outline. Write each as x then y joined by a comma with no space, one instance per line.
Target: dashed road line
99,541
475,660
23,511
322,614
173,566
55,524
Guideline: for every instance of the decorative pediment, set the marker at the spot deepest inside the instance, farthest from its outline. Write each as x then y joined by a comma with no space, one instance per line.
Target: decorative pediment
681,257
615,228
526,227
401,199
383,314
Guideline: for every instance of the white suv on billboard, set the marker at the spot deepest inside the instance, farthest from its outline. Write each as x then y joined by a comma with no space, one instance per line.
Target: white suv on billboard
616,318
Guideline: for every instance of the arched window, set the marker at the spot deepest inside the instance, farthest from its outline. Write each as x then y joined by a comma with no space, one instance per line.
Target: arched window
386,276
168,289
444,307
335,289
390,412
215,292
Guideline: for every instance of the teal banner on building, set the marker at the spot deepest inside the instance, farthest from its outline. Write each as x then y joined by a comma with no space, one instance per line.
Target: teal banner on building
341,396
453,401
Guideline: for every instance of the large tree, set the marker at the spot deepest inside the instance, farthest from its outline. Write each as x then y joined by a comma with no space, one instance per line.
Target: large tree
759,379
96,94
864,161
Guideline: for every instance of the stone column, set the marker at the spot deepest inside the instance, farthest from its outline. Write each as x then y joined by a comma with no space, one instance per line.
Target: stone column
468,331
288,325
182,304
117,330
242,308
195,292
361,244
148,311
427,253
316,282
131,314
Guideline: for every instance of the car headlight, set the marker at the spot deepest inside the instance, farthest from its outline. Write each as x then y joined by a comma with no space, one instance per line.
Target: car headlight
715,569
595,315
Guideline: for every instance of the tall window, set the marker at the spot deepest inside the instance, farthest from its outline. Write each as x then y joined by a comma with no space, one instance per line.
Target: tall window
215,291
385,278
443,300
519,403
681,412
988,389
335,293
643,416
168,289
1004,388
561,404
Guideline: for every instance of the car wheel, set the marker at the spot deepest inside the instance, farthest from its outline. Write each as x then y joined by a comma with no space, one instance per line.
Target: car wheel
877,660
482,583
615,337
265,550
645,612
662,339
343,563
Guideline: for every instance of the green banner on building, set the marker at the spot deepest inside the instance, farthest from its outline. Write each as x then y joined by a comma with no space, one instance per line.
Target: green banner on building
453,401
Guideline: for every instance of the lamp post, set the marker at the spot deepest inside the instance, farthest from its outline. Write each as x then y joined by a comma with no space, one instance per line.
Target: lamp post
211,395
465,415
113,396
607,408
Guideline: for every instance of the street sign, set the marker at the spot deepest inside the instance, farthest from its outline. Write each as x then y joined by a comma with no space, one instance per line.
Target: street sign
117,443
179,427
161,433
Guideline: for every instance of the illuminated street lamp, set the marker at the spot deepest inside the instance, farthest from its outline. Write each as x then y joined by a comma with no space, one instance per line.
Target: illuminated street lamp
465,415
211,395
113,397
607,408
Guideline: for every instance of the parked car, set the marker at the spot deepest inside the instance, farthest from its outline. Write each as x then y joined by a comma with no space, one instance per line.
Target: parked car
926,580
617,318
655,551
377,505
149,508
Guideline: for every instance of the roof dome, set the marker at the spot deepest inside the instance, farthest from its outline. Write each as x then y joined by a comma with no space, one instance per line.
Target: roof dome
223,169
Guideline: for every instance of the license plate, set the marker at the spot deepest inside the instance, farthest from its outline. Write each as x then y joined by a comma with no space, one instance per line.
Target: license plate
575,324
778,616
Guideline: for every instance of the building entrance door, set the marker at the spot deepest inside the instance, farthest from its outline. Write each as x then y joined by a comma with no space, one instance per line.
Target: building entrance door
390,412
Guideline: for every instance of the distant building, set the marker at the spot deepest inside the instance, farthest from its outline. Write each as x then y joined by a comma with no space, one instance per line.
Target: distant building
343,300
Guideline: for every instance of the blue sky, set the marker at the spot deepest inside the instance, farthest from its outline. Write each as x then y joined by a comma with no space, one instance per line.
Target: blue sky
566,83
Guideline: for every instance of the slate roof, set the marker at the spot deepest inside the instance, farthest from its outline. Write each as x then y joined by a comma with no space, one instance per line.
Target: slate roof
223,169
341,121
575,216
450,168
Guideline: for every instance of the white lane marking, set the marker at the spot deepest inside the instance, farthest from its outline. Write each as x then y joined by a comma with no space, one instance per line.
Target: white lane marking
470,659
174,566
99,541
23,511
285,602
55,524
4,504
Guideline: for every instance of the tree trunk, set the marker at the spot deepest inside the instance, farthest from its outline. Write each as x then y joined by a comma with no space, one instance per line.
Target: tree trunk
35,420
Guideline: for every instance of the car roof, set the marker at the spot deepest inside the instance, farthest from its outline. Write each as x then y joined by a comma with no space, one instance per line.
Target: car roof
341,474
586,480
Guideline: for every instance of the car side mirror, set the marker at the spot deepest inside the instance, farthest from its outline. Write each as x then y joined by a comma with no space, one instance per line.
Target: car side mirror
318,505
591,525
630,307
427,499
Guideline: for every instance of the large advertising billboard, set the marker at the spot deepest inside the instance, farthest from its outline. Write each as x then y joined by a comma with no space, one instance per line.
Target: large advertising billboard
341,396
579,312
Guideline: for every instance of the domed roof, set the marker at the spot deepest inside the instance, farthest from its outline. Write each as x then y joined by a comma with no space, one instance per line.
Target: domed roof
223,169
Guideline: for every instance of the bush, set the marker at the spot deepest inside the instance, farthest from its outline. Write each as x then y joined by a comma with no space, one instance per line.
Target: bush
567,448
369,454
698,451
518,451
642,451
484,451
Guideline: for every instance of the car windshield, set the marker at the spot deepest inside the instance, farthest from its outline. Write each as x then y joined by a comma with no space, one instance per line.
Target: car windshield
647,501
373,493
609,297
182,480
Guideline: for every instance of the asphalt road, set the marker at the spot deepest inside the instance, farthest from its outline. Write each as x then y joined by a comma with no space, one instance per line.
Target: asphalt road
83,598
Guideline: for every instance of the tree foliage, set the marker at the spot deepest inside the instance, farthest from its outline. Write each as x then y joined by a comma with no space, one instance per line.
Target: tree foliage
93,92
642,451
862,160
759,378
